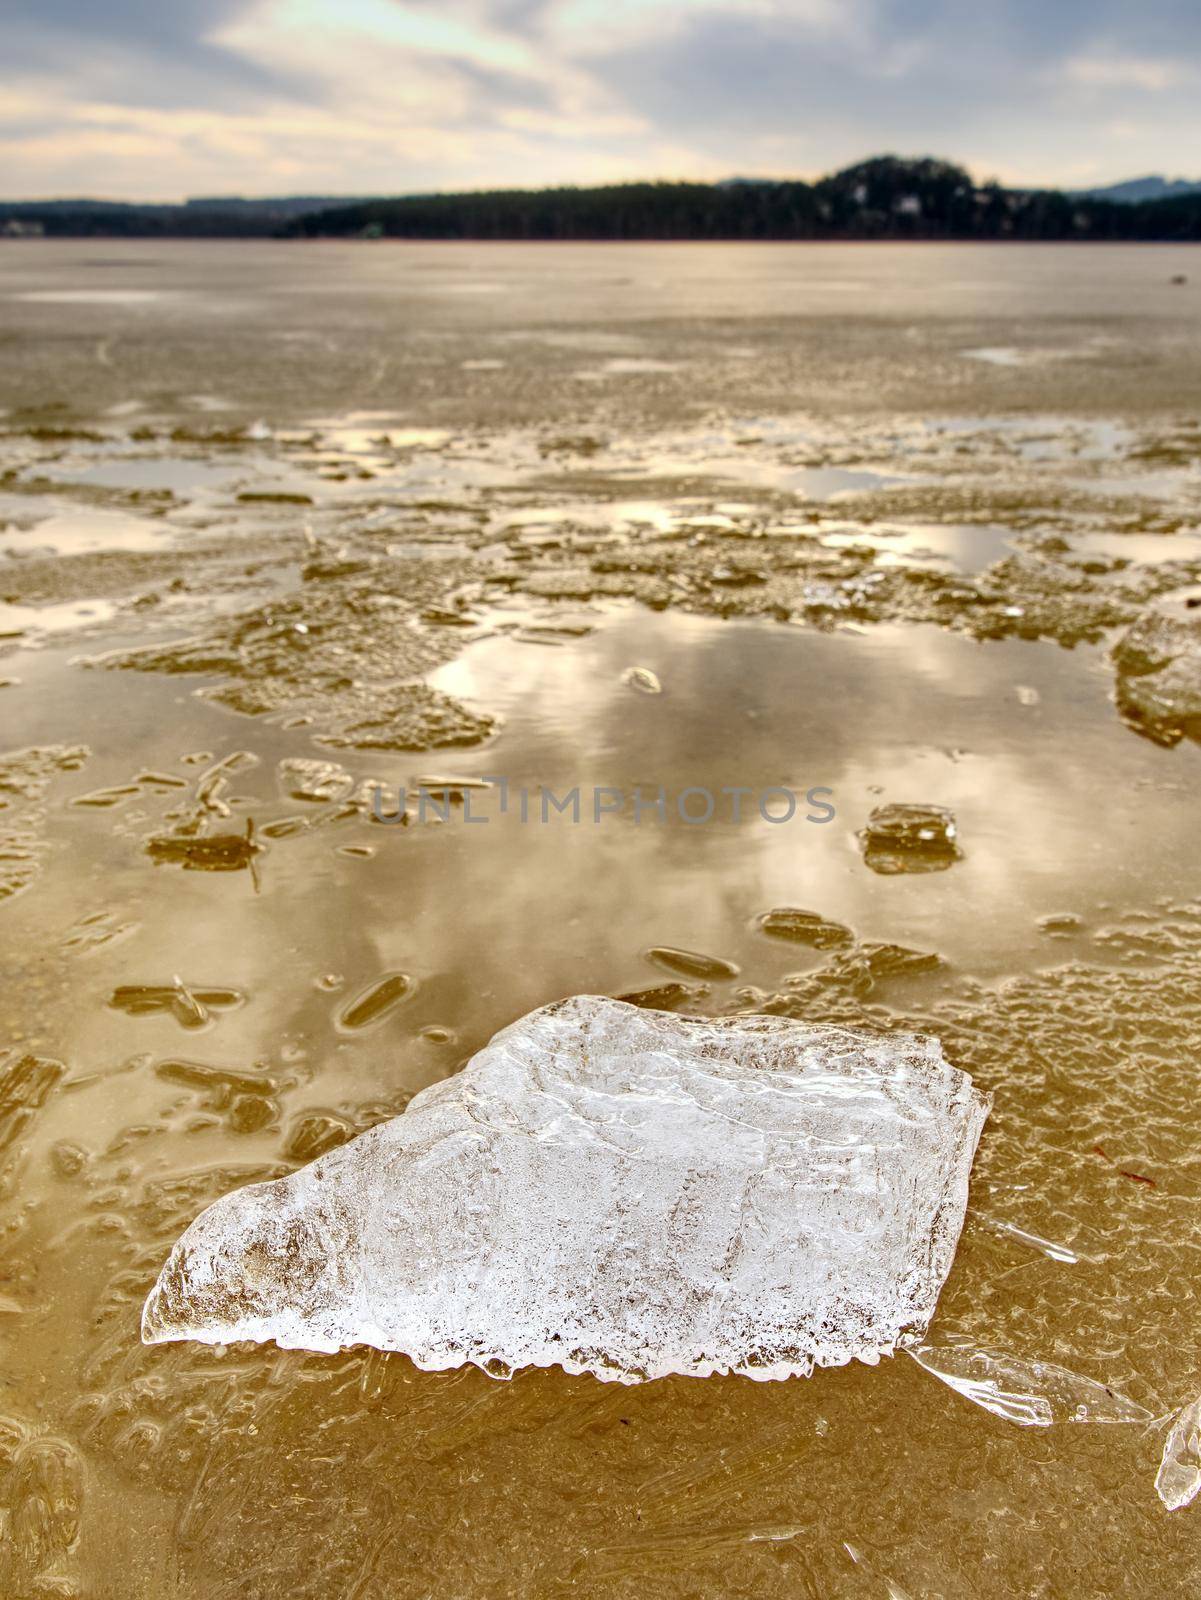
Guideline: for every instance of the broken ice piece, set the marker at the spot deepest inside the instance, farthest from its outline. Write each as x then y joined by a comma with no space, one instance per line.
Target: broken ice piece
189,1004
664,996
301,778
218,852
376,1002
1034,1394
1056,1252
691,963
1158,665
447,788
25,1085
868,964
804,927
642,679
891,1590
615,1191
1179,1475
910,838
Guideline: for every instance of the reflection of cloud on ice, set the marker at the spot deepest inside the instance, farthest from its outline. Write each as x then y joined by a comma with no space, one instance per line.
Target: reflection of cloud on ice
493,920
905,713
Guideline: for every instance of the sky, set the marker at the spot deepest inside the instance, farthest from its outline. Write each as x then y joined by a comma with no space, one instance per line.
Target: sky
159,99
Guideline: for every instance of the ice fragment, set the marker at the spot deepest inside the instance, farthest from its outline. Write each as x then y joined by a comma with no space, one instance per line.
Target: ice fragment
1158,663
1030,1393
616,1191
1179,1475
910,838
1049,1247
642,679
375,1002
301,778
691,963
804,927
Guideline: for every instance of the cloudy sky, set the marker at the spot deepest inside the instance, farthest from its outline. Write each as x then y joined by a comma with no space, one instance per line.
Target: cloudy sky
140,99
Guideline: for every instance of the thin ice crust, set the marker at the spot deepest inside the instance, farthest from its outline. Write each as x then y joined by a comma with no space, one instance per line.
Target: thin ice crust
615,1191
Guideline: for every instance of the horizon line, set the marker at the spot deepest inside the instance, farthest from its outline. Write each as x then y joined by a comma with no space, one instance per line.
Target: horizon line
325,199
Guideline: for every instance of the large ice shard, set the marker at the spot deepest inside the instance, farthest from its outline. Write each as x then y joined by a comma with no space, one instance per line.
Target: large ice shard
616,1191
1179,1477
1034,1394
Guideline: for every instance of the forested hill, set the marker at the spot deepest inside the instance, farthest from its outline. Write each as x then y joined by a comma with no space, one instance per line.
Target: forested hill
231,218
885,198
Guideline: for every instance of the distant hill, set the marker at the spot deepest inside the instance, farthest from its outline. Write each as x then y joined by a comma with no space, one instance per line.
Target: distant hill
220,217
1154,187
888,197
293,205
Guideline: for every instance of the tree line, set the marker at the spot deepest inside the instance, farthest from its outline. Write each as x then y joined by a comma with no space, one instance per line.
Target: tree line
885,198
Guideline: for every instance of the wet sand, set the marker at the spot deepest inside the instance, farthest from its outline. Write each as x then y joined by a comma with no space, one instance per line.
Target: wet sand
871,519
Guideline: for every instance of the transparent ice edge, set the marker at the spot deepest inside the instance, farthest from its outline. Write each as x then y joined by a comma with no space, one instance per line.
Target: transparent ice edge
616,1191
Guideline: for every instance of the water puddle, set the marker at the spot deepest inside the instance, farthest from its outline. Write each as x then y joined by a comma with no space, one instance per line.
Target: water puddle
69,616
965,547
180,475
83,532
1013,772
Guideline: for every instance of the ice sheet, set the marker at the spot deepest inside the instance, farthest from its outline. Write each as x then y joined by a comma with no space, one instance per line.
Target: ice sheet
615,1191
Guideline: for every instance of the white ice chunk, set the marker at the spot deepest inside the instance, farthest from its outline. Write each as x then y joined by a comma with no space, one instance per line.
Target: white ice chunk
642,679
616,1191
1034,1394
1179,1475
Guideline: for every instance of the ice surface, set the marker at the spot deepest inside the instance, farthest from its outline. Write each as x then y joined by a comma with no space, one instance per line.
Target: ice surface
615,1191
1179,1475
1034,1394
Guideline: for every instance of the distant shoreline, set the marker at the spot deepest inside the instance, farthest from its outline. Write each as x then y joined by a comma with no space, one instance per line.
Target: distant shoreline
885,200
297,241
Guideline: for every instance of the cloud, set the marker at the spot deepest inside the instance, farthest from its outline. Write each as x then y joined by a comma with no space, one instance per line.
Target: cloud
1014,83
158,97
1130,72
137,51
